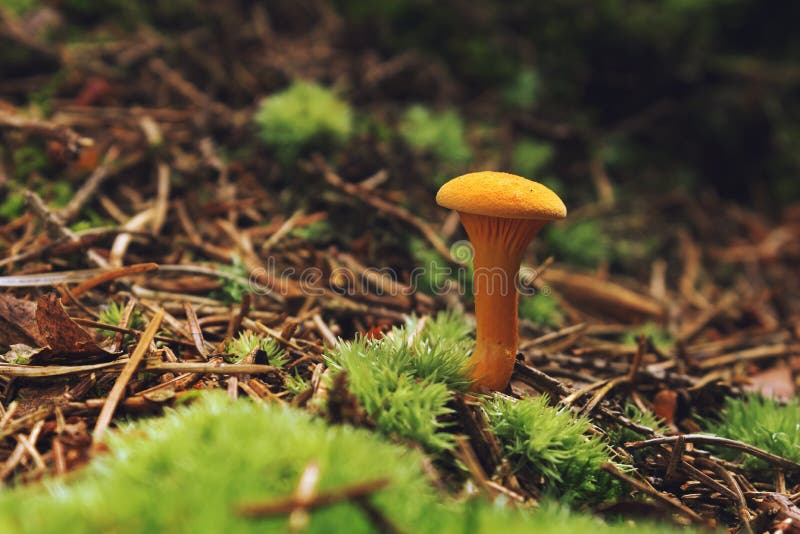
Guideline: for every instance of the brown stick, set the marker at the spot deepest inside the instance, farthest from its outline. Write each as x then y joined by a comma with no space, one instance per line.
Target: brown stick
722,442
326,498
118,390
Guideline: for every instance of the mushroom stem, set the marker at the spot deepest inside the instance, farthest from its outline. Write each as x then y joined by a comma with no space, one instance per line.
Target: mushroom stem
499,244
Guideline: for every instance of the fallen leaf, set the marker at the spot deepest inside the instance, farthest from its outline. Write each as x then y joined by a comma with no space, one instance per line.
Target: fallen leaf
665,404
18,322
64,341
776,382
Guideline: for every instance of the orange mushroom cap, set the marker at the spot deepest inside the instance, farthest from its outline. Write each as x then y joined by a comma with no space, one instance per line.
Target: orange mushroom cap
500,194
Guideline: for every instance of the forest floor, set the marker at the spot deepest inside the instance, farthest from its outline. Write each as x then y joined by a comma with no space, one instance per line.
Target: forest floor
132,175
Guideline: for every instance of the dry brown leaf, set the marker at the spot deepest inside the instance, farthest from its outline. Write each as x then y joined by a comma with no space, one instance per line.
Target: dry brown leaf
64,341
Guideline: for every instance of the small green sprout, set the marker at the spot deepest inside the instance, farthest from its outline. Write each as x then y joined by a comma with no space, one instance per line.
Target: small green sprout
762,422
112,314
235,282
295,383
554,443
316,232
303,114
246,342
440,134
660,337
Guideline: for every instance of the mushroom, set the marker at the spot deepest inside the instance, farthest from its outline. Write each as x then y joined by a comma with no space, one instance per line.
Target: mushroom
501,213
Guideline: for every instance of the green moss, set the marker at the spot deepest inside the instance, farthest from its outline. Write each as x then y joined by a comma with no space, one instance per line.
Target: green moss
619,435
660,337
12,206
303,114
405,387
440,134
234,283
112,314
529,157
91,219
188,472
523,90
582,243
246,342
19,6
762,422
316,232
541,309
433,273
27,160
553,443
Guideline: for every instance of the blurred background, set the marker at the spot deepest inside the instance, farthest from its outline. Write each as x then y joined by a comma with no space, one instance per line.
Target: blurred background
663,125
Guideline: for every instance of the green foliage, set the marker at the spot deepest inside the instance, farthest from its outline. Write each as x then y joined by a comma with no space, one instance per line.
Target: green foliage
529,157
316,232
403,385
301,115
433,273
112,314
233,282
554,443
582,243
440,134
12,205
19,6
619,435
523,90
296,384
91,219
541,309
27,160
660,337
246,342
762,422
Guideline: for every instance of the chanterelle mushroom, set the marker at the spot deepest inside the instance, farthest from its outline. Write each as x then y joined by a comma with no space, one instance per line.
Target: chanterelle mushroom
501,213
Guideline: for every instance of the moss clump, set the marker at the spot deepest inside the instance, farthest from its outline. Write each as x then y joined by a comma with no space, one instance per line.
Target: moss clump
233,283
582,243
438,134
188,471
303,114
659,337
12,206
246,342
530,156
553,443
523,90
433,274
762,422
541,309
112,314
405,386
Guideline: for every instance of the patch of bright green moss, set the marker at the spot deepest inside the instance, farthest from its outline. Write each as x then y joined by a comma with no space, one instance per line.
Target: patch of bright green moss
556,444
522,92
438,133
303,114
189,470
541,309
762,422
582,243
404,383
659,336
